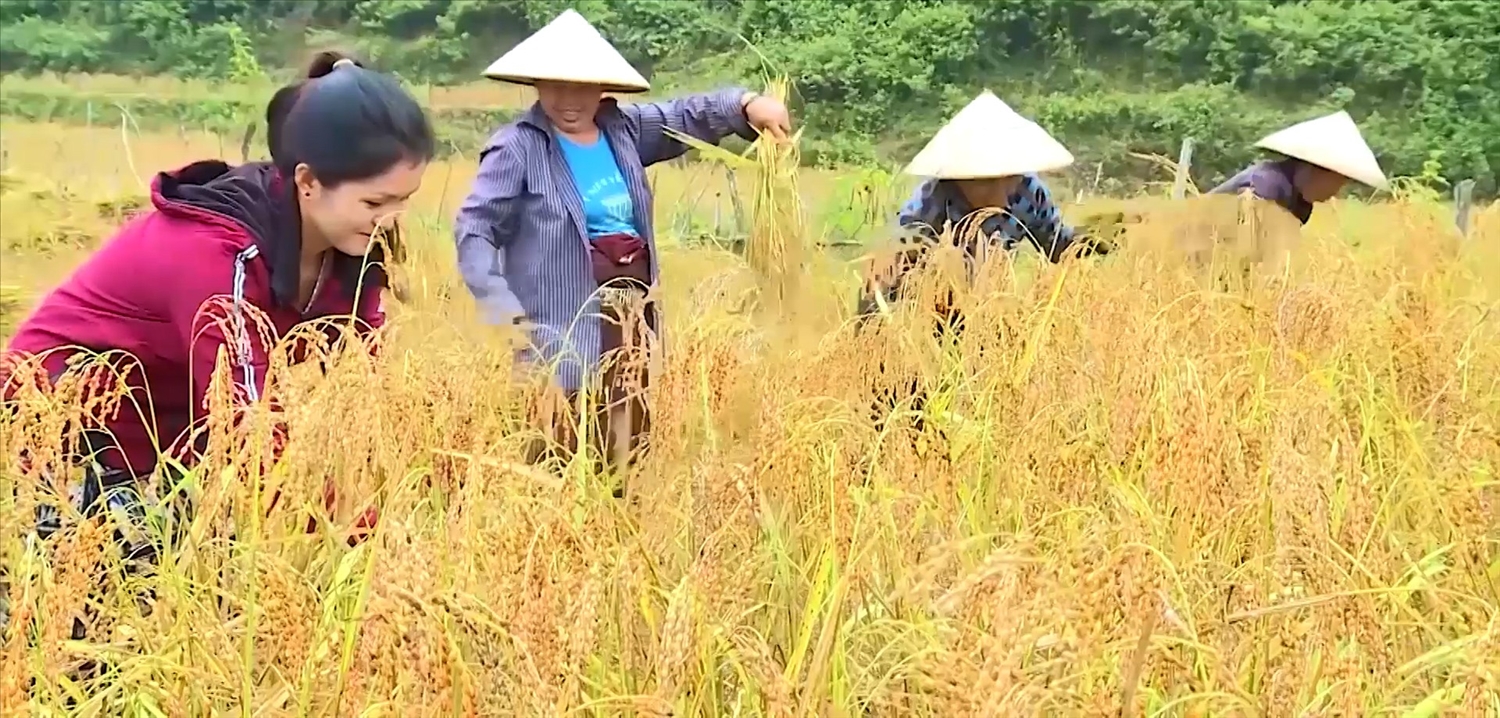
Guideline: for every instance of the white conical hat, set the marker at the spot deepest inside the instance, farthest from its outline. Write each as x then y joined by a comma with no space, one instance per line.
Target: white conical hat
568,49
1332,142
988,139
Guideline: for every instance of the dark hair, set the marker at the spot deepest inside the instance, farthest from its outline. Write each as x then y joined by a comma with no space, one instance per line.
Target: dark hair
345,123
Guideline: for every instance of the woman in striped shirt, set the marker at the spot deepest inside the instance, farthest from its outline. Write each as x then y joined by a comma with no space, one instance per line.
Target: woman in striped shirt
561,209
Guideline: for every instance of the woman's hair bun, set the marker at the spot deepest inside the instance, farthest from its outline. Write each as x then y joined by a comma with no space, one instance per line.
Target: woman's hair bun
327,61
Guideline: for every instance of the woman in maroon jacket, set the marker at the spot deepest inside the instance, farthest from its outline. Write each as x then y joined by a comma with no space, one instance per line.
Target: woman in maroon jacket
291,238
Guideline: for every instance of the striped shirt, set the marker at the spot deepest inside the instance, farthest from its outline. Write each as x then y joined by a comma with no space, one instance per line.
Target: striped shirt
1270,180
521,234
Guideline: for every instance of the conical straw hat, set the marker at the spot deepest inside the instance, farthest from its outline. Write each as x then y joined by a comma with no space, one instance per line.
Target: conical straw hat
568,49
1332,142
988,139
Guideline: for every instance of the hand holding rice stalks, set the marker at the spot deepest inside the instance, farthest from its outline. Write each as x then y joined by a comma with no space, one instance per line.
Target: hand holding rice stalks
776,248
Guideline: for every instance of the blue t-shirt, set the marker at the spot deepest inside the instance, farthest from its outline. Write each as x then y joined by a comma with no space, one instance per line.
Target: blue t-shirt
607,208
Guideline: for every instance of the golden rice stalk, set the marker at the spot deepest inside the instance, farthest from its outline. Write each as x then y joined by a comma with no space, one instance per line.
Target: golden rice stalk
776,248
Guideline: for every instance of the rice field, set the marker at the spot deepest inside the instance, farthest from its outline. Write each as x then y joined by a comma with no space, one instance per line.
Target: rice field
1132,494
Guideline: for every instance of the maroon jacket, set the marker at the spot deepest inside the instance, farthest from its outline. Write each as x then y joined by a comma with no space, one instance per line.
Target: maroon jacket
162,289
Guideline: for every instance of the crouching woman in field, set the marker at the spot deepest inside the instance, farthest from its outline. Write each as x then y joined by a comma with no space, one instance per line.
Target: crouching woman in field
981,192
981,177
1236,240
557,234
291,238
1319,157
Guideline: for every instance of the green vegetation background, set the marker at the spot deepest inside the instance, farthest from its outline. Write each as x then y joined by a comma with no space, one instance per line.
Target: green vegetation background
874,77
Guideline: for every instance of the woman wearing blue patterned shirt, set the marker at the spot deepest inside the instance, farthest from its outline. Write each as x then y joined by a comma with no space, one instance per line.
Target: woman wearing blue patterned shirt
986,157
1031,214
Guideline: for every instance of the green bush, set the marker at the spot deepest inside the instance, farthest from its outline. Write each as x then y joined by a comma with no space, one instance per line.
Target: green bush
874,77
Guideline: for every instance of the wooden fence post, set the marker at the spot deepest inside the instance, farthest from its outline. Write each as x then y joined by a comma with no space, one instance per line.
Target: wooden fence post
247,139
1184,161
1463,205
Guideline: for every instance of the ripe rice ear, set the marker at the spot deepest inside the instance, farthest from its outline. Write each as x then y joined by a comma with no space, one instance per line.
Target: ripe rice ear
776,248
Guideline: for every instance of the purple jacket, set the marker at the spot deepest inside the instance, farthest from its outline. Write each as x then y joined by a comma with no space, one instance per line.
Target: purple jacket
522,243
167,289
1270,180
